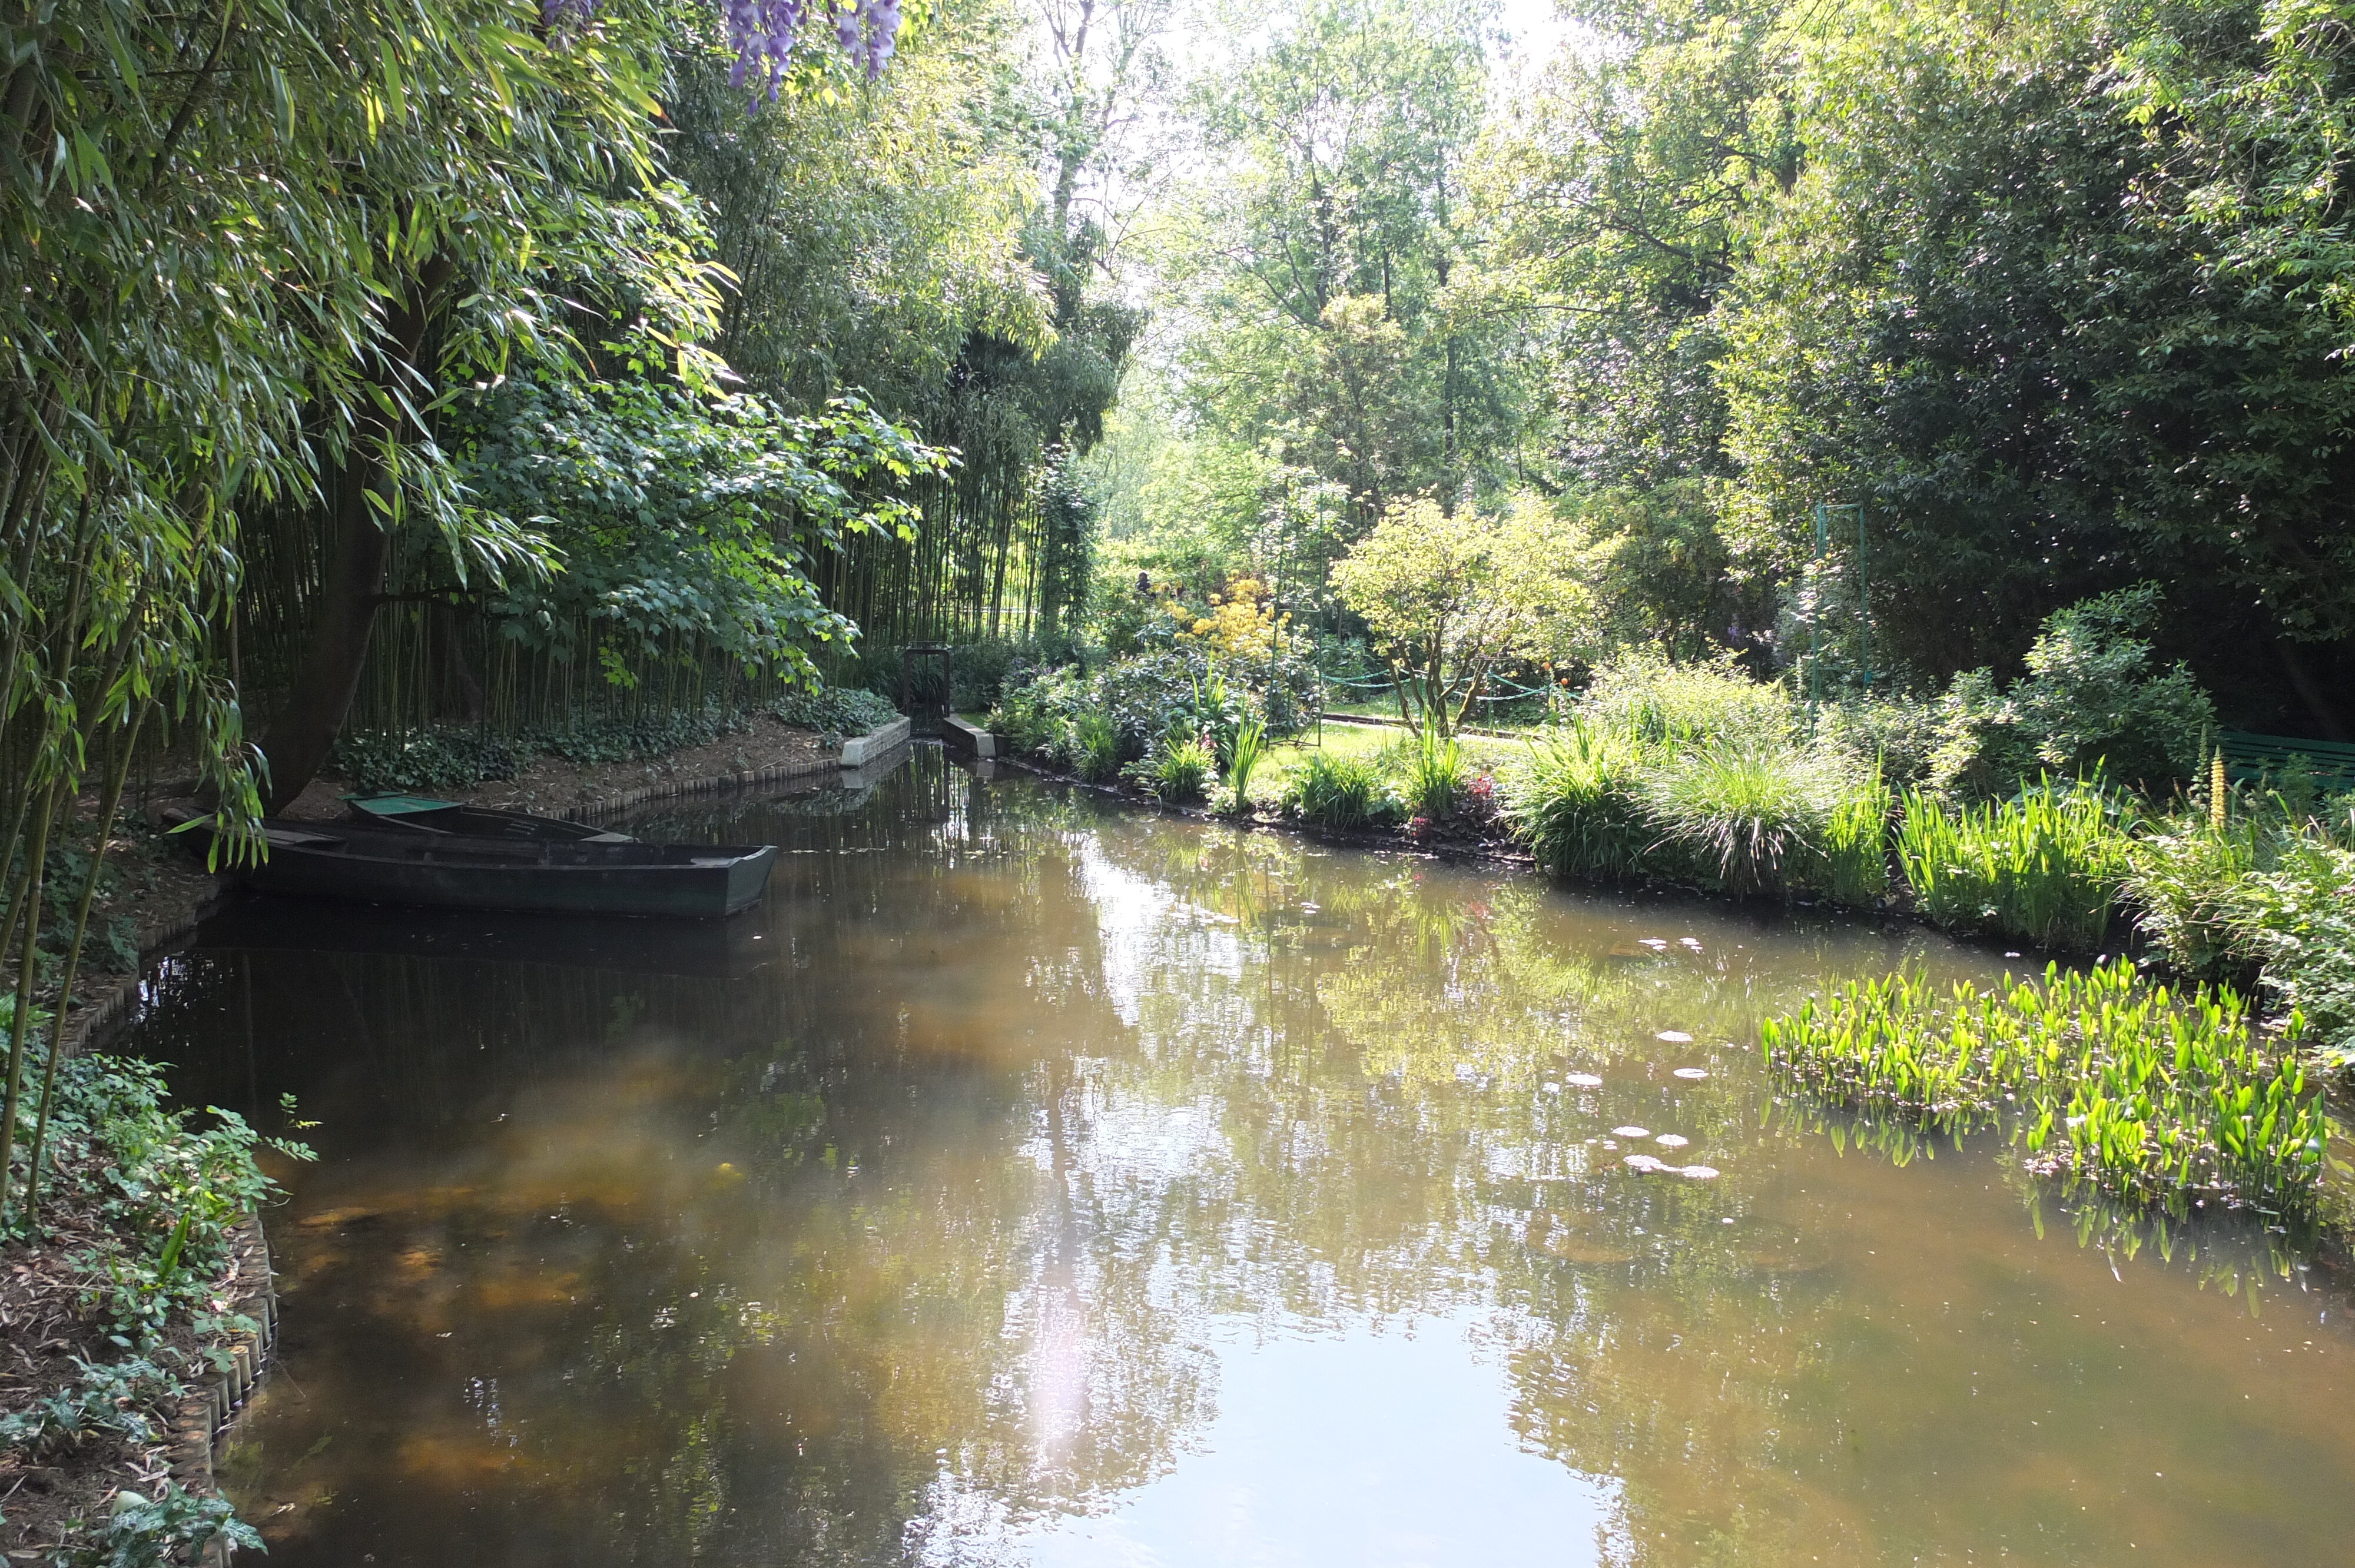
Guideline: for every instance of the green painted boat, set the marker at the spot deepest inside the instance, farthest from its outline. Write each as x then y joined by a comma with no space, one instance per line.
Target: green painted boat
456,871
424,814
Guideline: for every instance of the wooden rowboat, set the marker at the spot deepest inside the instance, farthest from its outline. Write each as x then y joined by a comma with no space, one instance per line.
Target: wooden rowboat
389,865
422,813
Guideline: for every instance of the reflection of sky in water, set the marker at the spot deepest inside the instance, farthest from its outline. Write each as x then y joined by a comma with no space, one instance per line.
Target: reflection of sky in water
1145,926
1389,1449
1070,1186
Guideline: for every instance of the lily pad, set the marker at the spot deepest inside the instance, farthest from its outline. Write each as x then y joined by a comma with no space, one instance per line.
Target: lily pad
1695,1072
1631,1132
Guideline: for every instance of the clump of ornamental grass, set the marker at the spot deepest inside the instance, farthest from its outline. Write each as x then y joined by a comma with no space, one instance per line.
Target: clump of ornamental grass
1337,793
1243,757
1095,747
1747,817
1179,772
2141,1092
1435,777
2045,866
1574,802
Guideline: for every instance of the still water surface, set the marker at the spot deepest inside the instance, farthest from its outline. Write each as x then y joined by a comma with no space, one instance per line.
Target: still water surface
1038,1183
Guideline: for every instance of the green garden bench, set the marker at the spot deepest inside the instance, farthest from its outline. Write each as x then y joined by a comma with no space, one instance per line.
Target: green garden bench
2258,757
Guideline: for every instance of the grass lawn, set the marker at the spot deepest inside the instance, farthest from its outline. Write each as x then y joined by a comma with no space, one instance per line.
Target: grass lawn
1364,740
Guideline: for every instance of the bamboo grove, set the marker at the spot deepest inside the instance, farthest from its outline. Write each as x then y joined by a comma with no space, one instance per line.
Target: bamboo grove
267,273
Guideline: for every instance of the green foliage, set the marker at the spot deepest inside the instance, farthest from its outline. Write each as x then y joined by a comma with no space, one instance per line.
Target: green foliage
1095,747
1243,760
1436,776
1339,794
1854,867
2269,890
1179,772
1643,695
2105,1079
120,1398
2045,867
456,759
2088,701
684,519
427,760
1574,802
1751,818
1896,734
179,1526
838,710
2299,919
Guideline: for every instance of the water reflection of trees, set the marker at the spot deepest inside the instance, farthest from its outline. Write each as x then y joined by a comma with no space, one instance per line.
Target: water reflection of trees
930,1228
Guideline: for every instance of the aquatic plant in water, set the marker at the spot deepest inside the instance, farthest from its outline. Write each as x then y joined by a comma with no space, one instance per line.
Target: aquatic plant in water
2142,1092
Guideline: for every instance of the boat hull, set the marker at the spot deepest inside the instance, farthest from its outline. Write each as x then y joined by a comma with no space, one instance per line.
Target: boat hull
434,871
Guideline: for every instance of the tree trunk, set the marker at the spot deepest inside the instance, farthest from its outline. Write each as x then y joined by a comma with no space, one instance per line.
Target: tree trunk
304,731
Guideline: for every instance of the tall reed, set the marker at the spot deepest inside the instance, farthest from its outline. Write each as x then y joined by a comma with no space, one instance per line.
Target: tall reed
1855,867
2045,866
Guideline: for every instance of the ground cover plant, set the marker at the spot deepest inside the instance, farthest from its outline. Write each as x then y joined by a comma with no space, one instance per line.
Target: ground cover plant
2102,1076
120,1310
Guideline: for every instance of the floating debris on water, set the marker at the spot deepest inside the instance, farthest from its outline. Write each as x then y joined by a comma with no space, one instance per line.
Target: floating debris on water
1631,1132
1690,1073
1584,1080
1670,1140
1675,1036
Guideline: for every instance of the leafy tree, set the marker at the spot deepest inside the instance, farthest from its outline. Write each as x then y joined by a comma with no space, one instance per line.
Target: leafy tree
1448,599
686,522
1315,260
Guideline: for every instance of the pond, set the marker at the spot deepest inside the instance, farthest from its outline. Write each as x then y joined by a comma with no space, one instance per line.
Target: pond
1037,1181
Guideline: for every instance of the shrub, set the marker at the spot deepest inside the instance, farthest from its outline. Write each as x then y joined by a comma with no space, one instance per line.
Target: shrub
1337,793
2299,918
2045,867
2090,699
838,710
1898,735
2181,877
1745,817
1642,695
1436,777
1036,718
2117,1082
1573,803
